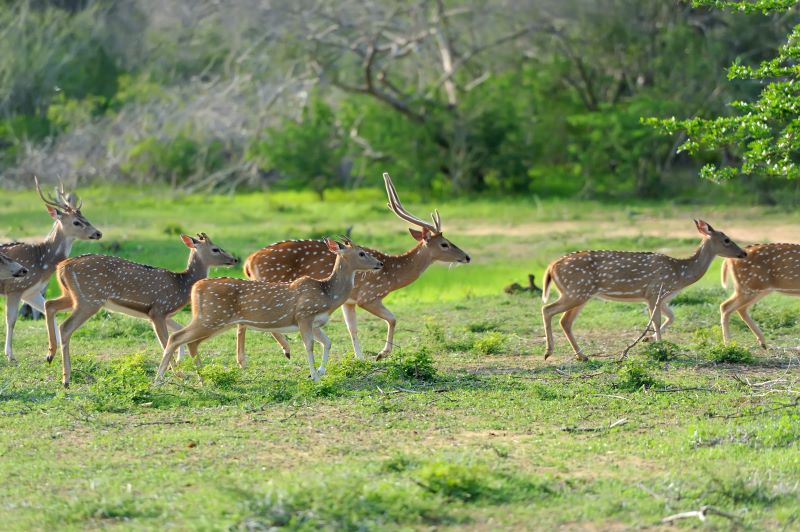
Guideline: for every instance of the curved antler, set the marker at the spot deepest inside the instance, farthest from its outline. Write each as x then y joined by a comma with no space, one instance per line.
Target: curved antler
47,201
399,210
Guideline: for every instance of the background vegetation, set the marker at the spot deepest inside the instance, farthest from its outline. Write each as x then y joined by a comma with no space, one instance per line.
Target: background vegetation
508,97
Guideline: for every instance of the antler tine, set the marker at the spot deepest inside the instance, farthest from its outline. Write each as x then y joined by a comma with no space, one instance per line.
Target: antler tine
47,201
397,207
437,220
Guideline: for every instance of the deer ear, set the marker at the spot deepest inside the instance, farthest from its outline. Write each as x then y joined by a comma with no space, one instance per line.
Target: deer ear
189,241
55,214
703,227
416,234
333,245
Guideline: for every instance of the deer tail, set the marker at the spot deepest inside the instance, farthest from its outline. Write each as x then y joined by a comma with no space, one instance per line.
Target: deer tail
724,274
548,277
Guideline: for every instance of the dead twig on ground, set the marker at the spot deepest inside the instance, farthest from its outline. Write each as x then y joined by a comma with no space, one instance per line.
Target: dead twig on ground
610,426
701,514
647,328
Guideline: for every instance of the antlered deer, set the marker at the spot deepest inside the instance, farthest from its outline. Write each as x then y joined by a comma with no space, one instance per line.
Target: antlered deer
627,276
767,268
41,258
286,261
303,305
9,268
91,282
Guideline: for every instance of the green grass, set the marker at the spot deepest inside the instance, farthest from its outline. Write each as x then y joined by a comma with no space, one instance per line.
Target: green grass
463,425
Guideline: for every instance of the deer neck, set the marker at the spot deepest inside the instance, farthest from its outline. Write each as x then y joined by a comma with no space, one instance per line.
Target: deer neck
410,265
339,284
697,265
195,270
58,244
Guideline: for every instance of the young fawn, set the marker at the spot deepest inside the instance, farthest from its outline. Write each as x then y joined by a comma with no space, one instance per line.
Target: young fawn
767,268
286,261
91,282
627,276
40,259
304,304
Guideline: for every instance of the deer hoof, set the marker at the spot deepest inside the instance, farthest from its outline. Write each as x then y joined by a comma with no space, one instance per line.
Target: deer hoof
763,346
287,354
321,371
49,359
66,385
581,357
547,354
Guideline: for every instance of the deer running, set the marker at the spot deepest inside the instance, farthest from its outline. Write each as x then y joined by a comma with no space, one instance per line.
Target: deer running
303,305
40,259
286,261
9,268
627,276
767,268
91,282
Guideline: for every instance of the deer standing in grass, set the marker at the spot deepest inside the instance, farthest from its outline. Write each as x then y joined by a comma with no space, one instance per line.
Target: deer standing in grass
40,259
10,269
303,305
91,282
286,261
767,268
627,276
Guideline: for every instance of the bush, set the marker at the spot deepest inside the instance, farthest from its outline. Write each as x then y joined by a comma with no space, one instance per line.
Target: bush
729,354
417,365
127,381
634,376
662,351
454,481
490,343
220,376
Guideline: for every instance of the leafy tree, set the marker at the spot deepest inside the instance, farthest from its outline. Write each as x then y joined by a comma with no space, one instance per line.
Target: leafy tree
763,132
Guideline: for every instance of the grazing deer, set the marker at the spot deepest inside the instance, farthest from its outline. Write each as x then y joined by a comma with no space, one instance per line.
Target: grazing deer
286,261
91,282
41,258
9,268
303,305
767,268
627,276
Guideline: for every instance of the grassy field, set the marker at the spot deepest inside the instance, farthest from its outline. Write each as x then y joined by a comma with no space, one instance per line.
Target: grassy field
464,425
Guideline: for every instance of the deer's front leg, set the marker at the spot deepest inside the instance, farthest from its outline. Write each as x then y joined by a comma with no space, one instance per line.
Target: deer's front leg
349,313
174,326
241,356
376,307
12,310
322,338
307,334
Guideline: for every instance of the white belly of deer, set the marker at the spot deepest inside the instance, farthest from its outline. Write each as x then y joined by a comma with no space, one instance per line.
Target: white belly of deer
124,310
319,321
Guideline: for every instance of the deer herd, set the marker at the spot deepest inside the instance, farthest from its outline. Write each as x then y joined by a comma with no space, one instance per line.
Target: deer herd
295,285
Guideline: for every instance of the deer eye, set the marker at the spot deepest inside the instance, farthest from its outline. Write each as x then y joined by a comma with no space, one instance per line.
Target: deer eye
362,254
77,223
215,250
727,240
445,245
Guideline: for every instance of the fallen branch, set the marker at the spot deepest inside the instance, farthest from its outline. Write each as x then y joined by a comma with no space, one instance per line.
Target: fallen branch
175,422
617,423
701,514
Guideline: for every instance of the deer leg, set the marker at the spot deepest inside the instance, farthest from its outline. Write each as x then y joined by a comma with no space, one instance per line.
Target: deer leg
655,317
741,303
173,326
307,334
197,362
192,333
12,310
562,304
349,313
281,339
665,311
35,299
322,338
566,325
376,307
50,309
744,313
70,325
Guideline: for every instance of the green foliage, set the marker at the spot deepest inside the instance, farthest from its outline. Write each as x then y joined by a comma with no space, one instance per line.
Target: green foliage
220,376
127,381
634,375
174,159
412,365
490,343
699,296
662,351
729,354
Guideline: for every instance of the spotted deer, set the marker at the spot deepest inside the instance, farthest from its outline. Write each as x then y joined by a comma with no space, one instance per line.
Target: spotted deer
767,268
286,261
40,259
652,278
91,282
303,305
10,269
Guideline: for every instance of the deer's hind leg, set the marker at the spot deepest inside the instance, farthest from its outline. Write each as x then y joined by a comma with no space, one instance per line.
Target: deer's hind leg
563,304
78,317
741,303
192,334
51,308
566,325
12,310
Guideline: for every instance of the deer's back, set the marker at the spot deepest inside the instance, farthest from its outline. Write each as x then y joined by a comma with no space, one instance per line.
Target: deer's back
226,300
768,267
104,278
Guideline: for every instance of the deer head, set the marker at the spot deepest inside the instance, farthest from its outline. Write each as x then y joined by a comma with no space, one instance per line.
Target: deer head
209,253
429,235
10,268
356,258
720,243
66,211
